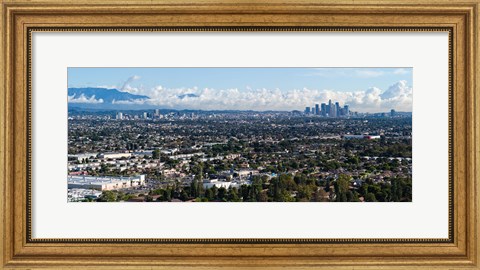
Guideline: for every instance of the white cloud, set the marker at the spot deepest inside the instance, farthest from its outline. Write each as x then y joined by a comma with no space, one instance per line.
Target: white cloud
83,99
130,102
128,81
107,86
399,96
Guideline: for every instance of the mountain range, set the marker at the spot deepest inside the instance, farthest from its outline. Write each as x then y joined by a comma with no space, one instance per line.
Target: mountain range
107,95
95,97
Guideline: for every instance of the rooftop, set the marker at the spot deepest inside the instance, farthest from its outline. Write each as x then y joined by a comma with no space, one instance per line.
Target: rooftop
83,179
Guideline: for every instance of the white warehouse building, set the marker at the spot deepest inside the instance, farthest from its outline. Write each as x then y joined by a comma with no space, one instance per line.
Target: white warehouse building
214,182
366,137
104,182
114,155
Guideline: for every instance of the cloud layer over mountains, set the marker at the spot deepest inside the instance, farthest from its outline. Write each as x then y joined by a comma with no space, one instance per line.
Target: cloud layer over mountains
398,96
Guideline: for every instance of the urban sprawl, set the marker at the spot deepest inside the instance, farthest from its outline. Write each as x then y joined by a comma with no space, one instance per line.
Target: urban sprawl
325,153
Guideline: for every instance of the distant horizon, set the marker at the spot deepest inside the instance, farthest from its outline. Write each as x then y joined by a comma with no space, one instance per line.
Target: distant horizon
212,110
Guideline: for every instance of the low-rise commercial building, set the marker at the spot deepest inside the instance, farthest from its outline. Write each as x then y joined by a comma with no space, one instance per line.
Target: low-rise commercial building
366,137
104,182
80,194
214,182
81,157
114,155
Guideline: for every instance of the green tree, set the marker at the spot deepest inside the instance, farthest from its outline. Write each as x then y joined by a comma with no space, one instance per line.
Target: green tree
108,196
341,188
156,154
304,193
209,194
222,194
166,197
262,197
233,195
370,197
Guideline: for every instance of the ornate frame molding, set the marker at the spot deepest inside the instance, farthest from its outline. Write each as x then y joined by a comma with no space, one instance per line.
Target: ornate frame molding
20,18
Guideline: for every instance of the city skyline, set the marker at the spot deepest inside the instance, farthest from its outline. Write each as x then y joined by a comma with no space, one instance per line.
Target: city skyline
390,88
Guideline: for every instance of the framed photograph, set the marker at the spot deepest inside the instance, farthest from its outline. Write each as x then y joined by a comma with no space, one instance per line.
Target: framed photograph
298,134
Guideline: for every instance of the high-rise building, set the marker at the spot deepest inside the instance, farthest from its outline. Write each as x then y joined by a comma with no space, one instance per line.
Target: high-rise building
157,112
324,109
333,110
119,116
346,110
145,115
338,111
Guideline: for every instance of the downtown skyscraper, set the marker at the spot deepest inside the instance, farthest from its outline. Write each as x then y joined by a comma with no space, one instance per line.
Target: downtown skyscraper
328,110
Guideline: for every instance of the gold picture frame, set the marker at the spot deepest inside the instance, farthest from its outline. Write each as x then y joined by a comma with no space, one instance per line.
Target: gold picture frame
21,18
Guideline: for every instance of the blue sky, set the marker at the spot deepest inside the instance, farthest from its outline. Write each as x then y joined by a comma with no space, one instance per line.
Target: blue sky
365,89
339,79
